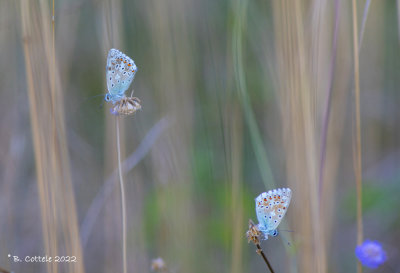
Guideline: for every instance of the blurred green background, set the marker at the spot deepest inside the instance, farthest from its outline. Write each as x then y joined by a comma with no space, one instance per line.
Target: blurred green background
235,101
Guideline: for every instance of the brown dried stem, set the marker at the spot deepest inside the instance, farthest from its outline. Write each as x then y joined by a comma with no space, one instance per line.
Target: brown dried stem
357,140
254,234
261,252
123,202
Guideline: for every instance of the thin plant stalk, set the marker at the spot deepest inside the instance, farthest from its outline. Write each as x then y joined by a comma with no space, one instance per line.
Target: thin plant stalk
261,252
255,235
358,166
128,164
123,204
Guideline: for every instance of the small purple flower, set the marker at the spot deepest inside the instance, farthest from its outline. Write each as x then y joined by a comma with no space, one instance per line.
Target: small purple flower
371,254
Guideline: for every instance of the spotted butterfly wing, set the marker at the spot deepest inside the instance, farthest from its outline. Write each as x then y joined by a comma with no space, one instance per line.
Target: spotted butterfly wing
120,71
271,207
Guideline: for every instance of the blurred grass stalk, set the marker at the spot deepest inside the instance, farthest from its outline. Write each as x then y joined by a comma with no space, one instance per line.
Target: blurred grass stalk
302,77
235,126
298,98
357,140
239,27
123,202
235,169
305,74
173,56
111,29
57,202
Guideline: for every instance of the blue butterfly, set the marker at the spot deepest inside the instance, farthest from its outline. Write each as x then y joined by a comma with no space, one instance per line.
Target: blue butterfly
120,71
271,206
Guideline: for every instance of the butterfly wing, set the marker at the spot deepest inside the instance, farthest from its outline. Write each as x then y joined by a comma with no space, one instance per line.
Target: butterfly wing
120,71
271,207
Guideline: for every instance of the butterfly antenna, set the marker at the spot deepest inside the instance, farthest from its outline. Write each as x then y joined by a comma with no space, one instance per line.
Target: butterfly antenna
286,230
91,97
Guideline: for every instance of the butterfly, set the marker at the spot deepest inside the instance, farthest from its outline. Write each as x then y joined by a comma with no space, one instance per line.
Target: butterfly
120,71
271,206
126,106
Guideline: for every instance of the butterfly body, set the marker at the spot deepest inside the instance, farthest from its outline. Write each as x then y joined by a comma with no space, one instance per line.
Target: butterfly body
120,71
271,207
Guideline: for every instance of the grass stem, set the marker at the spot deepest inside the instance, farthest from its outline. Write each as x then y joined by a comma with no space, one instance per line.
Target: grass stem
358,165
328,104
261,252
123,204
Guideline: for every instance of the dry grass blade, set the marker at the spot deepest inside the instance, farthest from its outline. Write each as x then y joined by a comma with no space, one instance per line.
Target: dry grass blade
123,202
57,202
236,216
357,144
